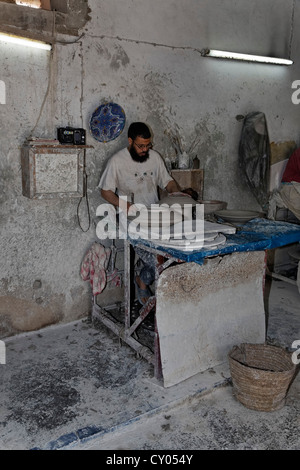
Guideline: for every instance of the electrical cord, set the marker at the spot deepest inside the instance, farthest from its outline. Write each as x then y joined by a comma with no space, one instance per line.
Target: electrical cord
85,195
291,30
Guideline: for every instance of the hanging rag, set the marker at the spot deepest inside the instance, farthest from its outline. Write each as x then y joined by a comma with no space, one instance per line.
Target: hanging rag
254,156
94,268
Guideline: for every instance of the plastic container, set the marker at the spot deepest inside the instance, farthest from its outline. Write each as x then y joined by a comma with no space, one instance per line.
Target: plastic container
183,161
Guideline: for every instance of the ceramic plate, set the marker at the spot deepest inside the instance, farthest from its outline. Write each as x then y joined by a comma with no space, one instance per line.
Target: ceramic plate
237,216
212,206
194,245
205,238
156,217
107,122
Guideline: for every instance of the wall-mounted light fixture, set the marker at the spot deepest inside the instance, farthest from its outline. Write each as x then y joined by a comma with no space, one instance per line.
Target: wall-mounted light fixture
255,58
4,37
246,57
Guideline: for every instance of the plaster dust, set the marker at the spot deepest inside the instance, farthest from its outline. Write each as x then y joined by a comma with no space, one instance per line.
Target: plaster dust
217,421
76,387
223,272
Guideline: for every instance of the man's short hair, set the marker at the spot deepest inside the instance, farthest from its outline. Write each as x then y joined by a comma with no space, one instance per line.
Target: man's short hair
139,129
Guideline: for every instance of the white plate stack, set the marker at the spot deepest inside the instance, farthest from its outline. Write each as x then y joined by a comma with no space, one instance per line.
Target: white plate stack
165,227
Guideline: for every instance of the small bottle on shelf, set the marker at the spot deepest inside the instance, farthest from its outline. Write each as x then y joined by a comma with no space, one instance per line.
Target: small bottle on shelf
196,163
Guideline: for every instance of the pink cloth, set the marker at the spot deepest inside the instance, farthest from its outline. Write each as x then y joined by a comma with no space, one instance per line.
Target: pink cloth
292,169
94,267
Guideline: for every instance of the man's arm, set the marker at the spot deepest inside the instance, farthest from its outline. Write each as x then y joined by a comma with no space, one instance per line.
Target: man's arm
174,190
172,187
113,199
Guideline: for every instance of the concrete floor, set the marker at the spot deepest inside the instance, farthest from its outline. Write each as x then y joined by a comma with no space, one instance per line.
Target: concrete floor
76,387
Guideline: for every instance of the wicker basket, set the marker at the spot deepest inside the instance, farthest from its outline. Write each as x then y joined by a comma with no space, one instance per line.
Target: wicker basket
261,375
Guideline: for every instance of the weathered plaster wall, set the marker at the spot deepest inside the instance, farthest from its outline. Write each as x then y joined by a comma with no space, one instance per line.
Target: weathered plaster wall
146,57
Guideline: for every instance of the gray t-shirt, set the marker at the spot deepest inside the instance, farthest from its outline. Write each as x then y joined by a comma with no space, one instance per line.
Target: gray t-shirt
125,176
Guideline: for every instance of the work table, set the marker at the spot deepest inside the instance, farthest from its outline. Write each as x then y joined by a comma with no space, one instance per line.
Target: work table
206,301
256,235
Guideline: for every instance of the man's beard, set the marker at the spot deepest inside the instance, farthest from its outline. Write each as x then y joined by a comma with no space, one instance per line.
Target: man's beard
136,157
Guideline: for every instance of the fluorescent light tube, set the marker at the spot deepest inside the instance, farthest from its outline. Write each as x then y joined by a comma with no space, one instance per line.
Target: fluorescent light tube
27,4
24,41
245,57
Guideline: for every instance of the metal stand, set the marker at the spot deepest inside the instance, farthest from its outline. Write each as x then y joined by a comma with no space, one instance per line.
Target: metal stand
127,330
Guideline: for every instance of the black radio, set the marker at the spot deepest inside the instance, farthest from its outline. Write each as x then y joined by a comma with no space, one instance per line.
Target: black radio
71,136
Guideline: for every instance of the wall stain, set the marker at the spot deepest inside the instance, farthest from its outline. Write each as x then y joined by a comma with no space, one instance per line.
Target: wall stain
18,315
119,58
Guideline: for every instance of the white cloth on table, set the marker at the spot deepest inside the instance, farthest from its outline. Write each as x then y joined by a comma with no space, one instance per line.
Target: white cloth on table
287,196
290,194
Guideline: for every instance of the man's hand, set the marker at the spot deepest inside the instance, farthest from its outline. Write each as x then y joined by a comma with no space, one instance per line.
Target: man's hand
113,199
178,193
172,187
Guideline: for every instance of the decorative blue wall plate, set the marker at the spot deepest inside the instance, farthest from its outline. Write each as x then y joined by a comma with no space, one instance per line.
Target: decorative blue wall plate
107,122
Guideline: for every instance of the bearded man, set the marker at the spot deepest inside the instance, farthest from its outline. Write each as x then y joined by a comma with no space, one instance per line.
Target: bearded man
137,172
